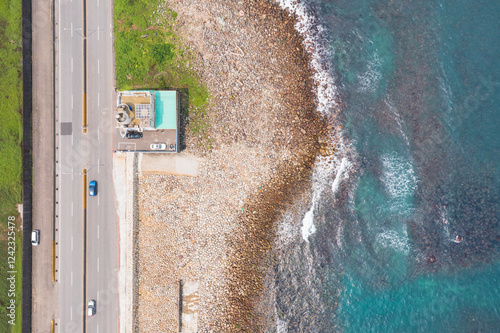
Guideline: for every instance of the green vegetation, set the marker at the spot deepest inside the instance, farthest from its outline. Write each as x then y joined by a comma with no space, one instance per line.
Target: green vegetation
150,56
10,150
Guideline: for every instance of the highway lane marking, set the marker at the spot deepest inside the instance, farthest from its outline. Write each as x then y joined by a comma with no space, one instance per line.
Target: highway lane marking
71,243
98,63
98,35
71,64
71,277
98,160
98,201
97,231
97,3
98,104
71,101
97,264
71,212
71,29
71,314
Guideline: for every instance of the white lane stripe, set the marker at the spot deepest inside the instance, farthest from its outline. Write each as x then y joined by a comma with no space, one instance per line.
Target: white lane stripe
71,64
71,101
71,243
98,160
71,29
98,67
72,208
97,231
71,313
98,35
97,265
97,99
71,277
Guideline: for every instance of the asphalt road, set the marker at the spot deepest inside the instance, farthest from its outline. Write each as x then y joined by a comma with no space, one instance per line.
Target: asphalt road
87,266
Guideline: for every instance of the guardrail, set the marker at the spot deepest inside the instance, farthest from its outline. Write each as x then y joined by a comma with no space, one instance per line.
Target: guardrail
84,113
53,261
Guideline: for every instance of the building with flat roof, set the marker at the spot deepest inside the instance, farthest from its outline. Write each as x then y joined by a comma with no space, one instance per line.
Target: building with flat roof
150,117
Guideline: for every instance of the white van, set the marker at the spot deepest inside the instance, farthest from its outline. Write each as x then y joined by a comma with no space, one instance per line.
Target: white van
35,237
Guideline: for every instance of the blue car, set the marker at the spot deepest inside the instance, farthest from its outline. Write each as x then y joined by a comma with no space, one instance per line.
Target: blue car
93,188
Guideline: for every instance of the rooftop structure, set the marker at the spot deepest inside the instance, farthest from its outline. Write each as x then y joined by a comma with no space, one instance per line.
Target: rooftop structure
154,114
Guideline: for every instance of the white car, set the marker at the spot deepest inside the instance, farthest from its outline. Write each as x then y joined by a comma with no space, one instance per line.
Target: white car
91,308
158,146
35,237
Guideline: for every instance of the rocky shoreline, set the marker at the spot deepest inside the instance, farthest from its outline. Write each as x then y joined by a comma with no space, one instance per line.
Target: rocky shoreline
218,228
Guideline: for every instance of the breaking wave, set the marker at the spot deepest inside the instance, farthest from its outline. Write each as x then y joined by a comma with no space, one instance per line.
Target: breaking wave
400,180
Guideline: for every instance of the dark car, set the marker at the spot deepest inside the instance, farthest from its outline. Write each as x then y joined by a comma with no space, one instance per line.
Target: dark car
134,135
93,188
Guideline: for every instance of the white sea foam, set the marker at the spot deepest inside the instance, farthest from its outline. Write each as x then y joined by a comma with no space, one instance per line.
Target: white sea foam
325,167
287,232
341,174
368,81
328,172
398,119
340,232
399,179
281,326
394,240
314,43
308,227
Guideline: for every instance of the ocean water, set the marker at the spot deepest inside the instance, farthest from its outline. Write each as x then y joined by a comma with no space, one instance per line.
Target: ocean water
418,164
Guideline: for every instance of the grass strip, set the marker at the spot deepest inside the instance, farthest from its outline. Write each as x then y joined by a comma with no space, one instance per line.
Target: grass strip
150,56
10,151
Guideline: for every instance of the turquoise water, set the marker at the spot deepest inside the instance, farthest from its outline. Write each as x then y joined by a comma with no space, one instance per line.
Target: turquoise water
420,81
463,302
166,109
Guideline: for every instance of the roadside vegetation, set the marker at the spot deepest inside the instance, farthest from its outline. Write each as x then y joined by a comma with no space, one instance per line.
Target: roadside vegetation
10,153
150,56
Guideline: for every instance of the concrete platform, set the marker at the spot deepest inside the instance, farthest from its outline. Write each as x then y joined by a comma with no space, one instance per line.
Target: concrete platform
189,312
143,145
169,164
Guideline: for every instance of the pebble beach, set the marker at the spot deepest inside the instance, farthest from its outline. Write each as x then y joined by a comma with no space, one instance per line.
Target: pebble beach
217,228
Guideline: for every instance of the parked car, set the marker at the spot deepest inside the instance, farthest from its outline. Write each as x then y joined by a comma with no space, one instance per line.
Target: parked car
158,146
133,135
35,237
93,188
91,308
